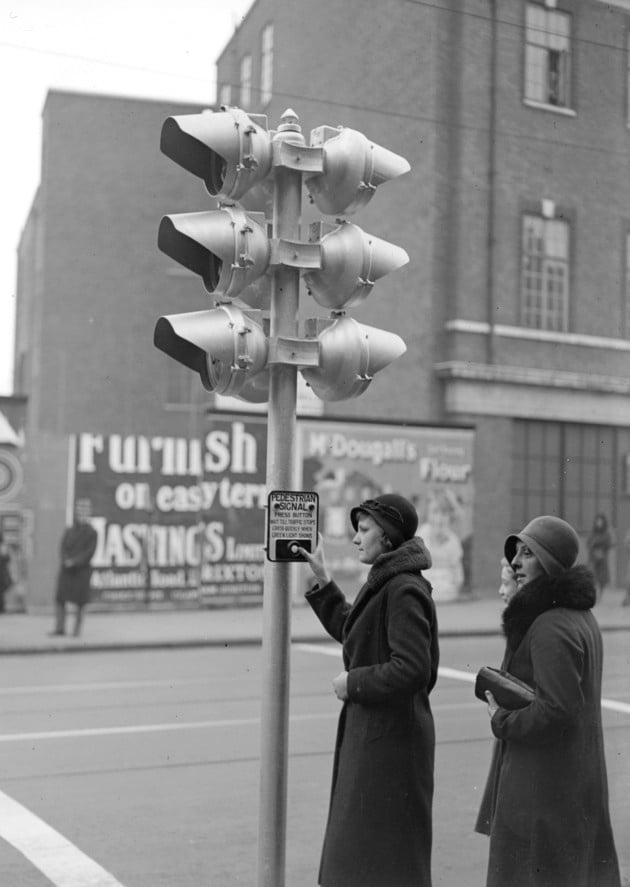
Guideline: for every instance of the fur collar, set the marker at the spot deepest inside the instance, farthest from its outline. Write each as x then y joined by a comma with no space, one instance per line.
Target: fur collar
410,557
573,589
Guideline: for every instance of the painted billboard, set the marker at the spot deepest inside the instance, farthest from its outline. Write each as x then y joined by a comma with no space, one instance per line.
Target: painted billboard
178,520
346,463
182,520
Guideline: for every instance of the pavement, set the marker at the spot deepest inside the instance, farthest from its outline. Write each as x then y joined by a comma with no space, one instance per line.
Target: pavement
152,628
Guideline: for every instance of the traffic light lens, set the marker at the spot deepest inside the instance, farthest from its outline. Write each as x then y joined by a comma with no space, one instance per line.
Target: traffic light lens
211,279
189,252
216,174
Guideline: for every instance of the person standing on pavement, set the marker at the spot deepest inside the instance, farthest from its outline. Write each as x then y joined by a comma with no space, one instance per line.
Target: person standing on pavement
599,543
6,579
78,545
379,828
625,602
545,806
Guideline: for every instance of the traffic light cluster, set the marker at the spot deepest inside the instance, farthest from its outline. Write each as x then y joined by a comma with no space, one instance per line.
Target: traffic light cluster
235,254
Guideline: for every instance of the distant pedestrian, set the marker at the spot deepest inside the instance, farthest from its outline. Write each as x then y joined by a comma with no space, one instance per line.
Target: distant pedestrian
78,545
545,806
6,578
380,815
626,598
599,543
507,589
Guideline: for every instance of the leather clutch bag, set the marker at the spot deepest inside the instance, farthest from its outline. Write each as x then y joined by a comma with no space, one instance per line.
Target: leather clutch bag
509,692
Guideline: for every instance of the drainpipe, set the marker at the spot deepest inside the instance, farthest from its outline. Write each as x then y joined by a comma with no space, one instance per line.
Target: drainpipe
492,125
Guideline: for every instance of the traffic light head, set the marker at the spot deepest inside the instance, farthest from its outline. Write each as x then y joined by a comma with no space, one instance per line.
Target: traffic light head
350,353
353,168
227,248
229,149
351,261
227,347
237,252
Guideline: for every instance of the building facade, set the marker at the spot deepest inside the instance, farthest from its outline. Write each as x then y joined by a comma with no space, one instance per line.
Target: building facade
514,307
516,303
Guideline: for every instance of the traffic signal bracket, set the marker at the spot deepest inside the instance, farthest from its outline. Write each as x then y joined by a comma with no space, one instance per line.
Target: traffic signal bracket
293,351
302,158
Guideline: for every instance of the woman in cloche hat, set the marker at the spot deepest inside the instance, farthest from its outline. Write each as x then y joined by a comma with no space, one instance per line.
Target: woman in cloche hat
545,806
379,820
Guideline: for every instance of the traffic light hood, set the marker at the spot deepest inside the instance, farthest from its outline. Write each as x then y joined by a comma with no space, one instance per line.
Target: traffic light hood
227,347
229,149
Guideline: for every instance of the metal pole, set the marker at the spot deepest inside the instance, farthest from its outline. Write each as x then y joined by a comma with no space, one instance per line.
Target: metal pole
276,589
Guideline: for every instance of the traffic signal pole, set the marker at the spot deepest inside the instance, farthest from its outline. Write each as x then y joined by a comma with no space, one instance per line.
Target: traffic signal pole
233,352
281,435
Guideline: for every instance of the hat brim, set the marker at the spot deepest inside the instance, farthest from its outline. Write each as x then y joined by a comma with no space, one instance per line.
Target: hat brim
356,511
548,562
393,533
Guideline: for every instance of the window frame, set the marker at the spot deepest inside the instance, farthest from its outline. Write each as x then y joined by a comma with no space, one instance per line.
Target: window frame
565,106
549,261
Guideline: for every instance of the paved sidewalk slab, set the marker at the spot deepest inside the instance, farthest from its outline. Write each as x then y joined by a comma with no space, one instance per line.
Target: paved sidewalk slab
29,632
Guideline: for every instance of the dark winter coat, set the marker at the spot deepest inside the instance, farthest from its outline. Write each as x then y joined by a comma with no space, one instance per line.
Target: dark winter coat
6,579
78,545
379,824
545,806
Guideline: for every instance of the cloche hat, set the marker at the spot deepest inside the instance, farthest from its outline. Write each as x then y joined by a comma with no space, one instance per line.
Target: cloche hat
554,542
394,514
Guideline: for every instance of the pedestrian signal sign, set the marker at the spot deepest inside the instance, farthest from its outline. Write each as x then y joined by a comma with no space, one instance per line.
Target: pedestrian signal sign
292,523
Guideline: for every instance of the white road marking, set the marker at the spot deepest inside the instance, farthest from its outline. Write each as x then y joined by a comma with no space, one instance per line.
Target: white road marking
147,728
22,690
324,649
455,674
321,649
611,704
56,857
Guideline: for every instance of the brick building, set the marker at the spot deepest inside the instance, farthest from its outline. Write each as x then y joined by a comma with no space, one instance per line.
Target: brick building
516,303
515,306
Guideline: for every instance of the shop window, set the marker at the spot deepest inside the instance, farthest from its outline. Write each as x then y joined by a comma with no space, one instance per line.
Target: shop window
535,485
545,273
563,469
547,56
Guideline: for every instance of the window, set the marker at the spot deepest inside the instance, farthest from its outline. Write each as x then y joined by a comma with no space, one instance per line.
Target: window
266,64
225,95
545,273
246,81
564,469
547,56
